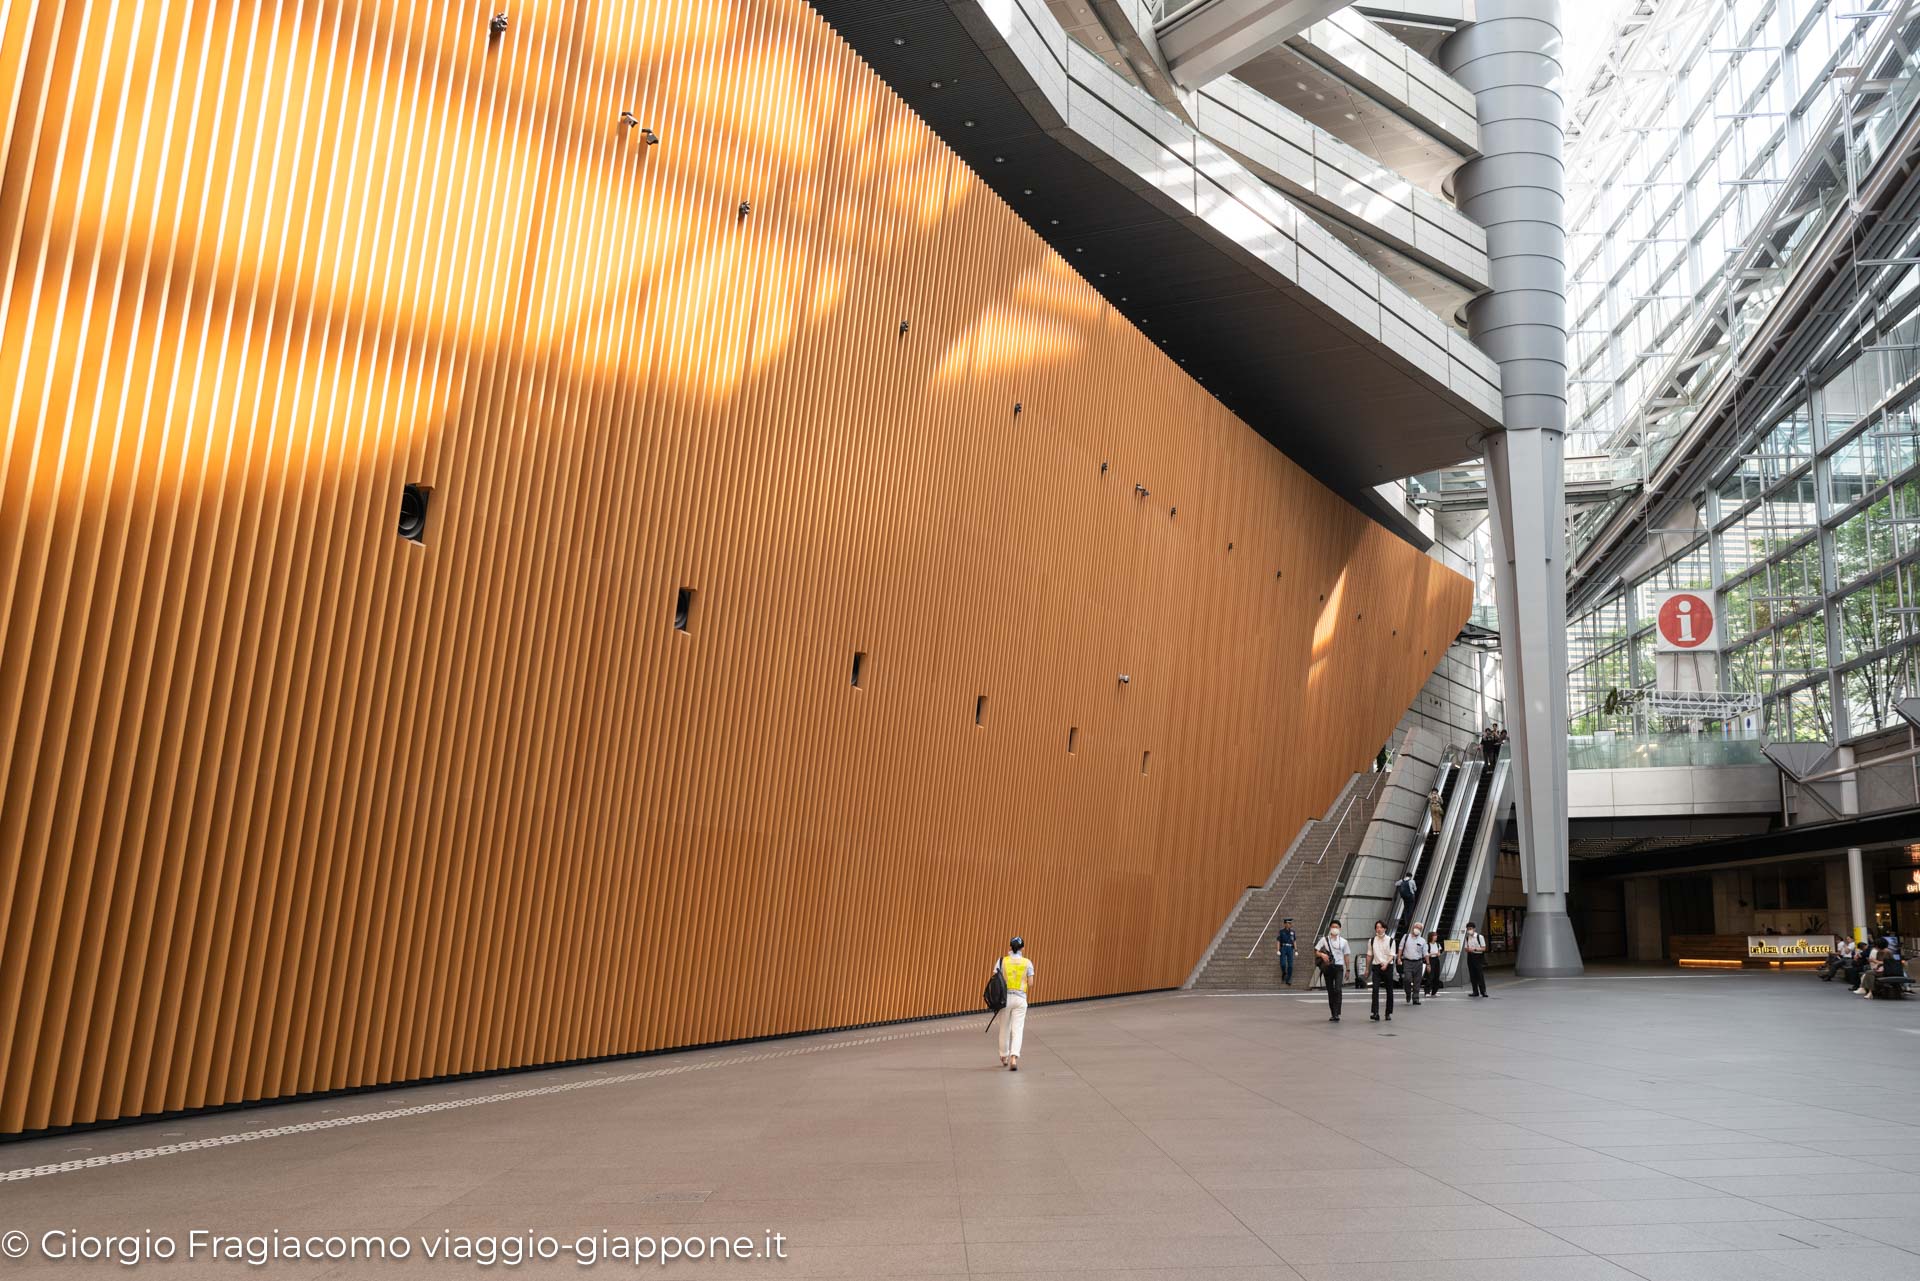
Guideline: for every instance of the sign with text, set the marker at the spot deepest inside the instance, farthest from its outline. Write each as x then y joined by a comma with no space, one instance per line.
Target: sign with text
1788,947
1685,622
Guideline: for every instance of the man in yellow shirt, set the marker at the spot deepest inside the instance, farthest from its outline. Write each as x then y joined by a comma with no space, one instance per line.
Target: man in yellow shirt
1018,972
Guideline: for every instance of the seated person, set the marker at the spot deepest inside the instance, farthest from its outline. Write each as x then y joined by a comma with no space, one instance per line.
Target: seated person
1869,971
1862,957
1838,959
1893,971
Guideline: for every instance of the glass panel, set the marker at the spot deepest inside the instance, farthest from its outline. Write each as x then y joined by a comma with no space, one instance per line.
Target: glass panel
1744,613
1872,690
1870,618
1813,715
1743,544
1741,666
1864,542
1796,580
1652,751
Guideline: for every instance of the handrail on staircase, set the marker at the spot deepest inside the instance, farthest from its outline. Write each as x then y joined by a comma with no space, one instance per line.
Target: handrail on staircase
1332,836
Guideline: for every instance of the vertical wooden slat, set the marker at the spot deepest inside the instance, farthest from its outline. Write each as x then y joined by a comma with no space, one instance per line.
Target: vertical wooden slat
292,804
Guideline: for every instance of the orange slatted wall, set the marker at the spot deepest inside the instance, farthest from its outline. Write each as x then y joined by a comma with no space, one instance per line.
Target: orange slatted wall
292,804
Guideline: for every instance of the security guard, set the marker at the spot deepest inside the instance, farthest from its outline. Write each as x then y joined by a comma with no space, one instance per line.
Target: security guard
1285,938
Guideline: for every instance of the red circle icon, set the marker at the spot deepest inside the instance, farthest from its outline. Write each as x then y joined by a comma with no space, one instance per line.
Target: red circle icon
1685,621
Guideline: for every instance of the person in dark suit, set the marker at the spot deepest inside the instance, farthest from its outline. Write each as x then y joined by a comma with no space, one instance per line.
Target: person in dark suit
1474,944
1285,939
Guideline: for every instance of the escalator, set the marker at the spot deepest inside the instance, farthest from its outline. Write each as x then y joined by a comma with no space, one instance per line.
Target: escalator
1434,857
1469,877
1463,861
1431,836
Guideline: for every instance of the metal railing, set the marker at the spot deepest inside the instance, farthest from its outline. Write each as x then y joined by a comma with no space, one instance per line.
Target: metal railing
1366,793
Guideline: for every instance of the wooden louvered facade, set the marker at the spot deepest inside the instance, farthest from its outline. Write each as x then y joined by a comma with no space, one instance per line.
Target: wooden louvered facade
294,804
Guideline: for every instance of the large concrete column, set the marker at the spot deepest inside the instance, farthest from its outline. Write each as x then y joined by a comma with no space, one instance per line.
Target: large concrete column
1857,894
1510,59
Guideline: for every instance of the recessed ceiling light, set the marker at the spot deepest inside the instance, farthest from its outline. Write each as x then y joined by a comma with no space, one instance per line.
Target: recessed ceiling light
937,84
967,123
999,160
1055,222
1027,191
899,39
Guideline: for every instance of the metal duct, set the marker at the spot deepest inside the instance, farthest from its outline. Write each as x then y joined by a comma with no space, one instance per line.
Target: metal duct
1510,59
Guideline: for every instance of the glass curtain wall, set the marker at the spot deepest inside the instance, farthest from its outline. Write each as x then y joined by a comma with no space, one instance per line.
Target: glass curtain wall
1813,537
1682,149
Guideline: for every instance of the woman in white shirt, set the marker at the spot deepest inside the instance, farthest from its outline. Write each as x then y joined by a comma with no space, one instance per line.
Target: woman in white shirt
1331,952
1380,965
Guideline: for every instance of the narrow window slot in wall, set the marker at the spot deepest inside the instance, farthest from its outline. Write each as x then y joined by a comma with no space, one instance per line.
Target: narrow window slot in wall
1145,757
980,711
1073,739
859,667
683,611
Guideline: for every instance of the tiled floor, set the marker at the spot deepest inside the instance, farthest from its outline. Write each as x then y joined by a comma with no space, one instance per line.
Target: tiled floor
1631,1124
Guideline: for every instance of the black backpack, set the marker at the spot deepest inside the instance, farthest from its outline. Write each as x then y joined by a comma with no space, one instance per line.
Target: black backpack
996,993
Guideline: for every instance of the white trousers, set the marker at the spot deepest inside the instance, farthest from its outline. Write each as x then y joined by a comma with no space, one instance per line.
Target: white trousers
1015,1026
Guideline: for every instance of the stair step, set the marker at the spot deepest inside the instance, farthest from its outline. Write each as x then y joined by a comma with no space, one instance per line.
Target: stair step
1304,894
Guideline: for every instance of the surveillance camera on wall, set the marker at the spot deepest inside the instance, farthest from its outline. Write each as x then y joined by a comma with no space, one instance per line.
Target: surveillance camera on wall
1125,679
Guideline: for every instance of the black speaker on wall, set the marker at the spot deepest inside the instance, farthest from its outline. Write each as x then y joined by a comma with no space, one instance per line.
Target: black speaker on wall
413,513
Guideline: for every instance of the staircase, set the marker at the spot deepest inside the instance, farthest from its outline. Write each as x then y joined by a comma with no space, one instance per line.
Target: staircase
1300,887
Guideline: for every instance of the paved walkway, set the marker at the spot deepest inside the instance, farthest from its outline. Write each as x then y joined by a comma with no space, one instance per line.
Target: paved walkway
1636,1124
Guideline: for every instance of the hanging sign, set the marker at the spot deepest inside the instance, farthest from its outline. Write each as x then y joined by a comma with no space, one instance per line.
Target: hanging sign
1685,622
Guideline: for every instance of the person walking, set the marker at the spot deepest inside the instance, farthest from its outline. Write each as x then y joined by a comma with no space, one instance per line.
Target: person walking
1404,892
1332,952
1474,944
1380,968
1285,940
1413,961
1018,971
